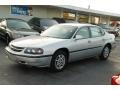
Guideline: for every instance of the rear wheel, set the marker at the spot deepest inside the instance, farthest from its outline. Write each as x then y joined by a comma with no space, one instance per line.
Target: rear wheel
8,39
105,53
59,61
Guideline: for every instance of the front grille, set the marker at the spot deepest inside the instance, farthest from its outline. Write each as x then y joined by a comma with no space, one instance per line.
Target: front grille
25,35
15,48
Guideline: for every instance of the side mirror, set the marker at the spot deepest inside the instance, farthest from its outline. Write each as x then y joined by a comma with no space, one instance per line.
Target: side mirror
32,27
78,37
45,27
3,26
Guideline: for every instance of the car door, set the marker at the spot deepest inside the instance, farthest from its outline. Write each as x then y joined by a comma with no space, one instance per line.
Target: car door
96,40
3,26
80,46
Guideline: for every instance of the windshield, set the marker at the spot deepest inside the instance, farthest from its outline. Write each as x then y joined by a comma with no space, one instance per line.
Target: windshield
47,22
60,31
17,24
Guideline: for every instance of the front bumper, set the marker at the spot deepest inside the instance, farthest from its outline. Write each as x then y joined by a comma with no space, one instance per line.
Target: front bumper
28,60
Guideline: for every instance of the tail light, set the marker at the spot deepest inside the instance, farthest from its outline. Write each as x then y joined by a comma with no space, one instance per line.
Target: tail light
115,80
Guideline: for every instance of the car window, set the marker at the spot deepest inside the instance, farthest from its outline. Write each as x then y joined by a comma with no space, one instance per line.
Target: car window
47,22
83,32
96,32
60,31
35,21
59,20
17,24
105,26
70,21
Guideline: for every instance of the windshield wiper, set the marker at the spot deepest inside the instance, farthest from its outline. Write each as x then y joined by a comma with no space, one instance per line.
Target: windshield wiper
46,36
24,28
53,37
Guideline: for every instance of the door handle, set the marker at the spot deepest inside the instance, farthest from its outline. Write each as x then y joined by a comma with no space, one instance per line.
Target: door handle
104,39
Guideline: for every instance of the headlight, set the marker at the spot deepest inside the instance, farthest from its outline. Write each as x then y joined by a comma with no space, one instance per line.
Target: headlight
33,51
18,35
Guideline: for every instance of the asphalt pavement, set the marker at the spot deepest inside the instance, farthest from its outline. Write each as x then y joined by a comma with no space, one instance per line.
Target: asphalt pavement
84,72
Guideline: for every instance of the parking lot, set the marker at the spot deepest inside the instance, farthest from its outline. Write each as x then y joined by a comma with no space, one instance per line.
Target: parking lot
89,71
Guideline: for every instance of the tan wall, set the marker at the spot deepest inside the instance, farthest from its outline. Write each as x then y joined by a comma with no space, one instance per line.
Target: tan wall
46,12
53,12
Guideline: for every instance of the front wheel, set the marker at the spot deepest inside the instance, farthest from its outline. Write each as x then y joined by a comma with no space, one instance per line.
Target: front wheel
105,53
59,61
7,39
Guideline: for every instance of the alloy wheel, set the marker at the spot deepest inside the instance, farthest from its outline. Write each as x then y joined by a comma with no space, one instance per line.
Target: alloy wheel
106,52
60,61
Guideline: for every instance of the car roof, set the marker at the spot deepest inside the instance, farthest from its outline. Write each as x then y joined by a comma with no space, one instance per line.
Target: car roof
12,19
77,24
42,18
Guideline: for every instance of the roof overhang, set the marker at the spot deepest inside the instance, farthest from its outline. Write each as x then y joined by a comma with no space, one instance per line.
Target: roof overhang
85,11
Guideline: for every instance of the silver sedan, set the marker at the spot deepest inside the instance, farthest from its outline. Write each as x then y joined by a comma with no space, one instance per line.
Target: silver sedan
61,44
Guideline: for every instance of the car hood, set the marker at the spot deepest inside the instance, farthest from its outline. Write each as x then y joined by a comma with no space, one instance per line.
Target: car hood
22,29
35,41
25,32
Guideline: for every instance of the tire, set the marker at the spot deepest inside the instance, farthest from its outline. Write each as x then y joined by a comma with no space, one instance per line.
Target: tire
58,64
117,34
7,39
105,53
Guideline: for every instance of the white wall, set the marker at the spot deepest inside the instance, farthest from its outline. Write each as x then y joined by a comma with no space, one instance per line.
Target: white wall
38,11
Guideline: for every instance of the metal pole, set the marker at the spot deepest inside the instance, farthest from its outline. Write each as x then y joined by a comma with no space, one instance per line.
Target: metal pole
89,16
76,16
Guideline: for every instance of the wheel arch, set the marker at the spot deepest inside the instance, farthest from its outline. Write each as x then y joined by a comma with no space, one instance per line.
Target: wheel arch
109,45
63,49
8,34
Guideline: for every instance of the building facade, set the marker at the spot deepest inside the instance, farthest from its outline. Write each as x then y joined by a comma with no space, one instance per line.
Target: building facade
61,11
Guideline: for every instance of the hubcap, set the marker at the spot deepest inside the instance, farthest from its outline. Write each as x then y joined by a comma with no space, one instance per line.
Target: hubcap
106,52
60,61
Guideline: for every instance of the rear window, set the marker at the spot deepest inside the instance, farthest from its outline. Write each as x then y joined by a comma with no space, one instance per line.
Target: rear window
70,21
59,20
47,22
34,21
96,31
105,26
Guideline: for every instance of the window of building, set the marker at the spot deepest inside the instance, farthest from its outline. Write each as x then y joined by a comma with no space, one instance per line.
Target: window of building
83,18
67,15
